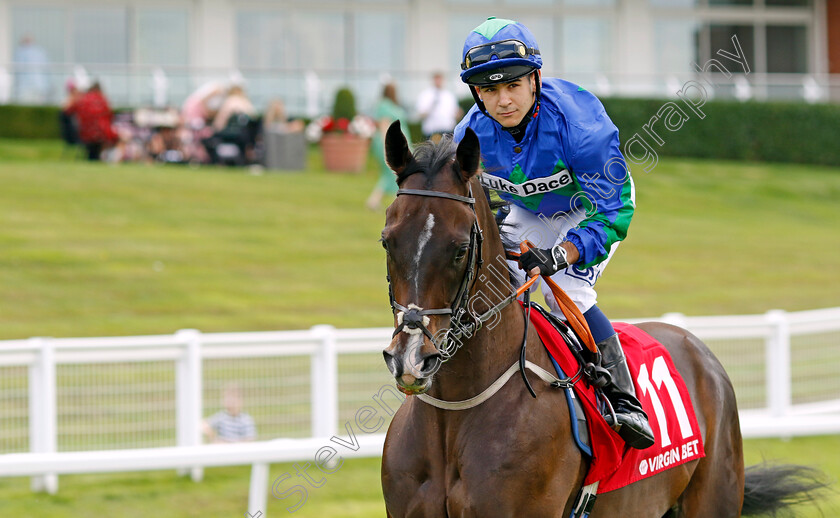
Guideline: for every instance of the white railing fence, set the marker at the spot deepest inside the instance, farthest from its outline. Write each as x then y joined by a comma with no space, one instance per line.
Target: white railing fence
79,405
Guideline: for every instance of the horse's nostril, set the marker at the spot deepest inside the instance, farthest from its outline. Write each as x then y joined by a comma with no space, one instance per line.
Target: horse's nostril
393,365
430,365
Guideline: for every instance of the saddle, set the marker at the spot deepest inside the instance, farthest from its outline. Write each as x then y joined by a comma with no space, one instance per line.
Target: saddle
660,389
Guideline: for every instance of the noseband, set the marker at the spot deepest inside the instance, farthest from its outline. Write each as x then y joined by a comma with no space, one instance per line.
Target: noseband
415,318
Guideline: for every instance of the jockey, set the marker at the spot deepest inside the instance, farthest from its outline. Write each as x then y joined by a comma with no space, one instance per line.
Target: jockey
549,148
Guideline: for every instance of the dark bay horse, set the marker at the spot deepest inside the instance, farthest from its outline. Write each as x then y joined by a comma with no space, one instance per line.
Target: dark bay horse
513,455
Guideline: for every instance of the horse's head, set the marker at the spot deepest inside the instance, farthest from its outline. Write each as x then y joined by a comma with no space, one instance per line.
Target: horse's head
433,244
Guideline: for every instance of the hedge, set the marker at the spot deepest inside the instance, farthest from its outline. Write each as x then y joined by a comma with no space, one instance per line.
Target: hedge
762,131
29,121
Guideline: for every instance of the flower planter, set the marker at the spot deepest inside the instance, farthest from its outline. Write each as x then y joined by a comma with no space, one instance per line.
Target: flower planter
344,152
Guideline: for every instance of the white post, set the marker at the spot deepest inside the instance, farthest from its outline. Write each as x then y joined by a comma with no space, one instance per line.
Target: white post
182,383
160,88
42,411
778,364
258,492
189,397
324,379
675,319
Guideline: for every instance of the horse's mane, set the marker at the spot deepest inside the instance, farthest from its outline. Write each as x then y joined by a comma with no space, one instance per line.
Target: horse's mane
430,158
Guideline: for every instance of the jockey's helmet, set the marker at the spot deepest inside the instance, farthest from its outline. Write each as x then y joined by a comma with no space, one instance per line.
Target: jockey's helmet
499,51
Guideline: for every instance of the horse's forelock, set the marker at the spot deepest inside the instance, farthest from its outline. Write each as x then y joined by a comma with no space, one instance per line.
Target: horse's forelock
430,158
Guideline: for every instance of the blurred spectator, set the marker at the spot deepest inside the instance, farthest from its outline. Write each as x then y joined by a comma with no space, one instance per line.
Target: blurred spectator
165,146
276,119
94,117
236,128
196,113
438,109
198,108
165,134
31,83
387,111
67,122
236,102
72,93
230,424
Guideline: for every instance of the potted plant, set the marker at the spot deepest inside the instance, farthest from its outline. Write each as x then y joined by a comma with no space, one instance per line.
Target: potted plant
344,136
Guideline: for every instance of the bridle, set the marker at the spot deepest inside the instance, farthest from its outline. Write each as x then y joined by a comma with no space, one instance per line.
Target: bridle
415,318
464,323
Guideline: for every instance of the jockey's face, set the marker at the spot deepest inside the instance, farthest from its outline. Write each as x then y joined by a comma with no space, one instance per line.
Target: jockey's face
508,103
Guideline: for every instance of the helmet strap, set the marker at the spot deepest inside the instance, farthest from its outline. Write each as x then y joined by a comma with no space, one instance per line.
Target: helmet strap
478,101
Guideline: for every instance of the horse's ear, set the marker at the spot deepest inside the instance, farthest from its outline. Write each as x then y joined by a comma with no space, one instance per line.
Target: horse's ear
397,153
468,154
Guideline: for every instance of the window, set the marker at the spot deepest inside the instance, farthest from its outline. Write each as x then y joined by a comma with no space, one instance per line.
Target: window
99,35
259,38
370,31
720,38
162,37
45,26
278,40
675,46
586,45
309,48
787,49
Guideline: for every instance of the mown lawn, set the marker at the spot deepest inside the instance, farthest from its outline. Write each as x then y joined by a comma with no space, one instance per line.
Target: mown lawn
353,492
93,249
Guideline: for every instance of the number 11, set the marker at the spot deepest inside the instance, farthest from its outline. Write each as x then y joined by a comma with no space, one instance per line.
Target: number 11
661,374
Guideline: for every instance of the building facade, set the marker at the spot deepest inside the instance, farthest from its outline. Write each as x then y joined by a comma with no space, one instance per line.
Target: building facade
302,50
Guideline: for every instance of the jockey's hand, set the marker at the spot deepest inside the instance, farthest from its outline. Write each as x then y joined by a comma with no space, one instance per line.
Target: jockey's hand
545,261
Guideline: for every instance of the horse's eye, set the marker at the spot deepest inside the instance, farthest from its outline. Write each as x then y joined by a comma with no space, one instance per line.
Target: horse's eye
462,252
384,244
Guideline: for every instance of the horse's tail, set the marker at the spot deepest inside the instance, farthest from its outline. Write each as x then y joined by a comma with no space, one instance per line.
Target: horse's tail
772,488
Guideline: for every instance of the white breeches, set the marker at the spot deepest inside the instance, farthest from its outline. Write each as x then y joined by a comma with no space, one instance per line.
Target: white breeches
545,233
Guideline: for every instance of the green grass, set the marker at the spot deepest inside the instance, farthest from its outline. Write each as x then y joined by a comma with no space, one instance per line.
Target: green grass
99,250
354,491
93,249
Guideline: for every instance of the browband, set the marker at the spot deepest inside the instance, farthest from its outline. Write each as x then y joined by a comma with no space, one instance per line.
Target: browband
437,194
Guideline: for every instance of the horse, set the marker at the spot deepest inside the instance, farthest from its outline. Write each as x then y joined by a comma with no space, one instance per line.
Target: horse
513,455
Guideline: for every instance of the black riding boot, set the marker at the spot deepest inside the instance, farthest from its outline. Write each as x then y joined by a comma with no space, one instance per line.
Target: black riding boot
632,424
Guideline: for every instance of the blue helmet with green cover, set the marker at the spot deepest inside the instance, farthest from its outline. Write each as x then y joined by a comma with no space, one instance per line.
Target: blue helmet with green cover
499,51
